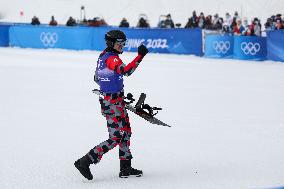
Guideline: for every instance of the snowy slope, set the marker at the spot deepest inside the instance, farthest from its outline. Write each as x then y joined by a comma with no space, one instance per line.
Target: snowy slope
114,11
228,125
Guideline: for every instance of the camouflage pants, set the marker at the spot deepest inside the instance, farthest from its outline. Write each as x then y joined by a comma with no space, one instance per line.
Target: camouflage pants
118,128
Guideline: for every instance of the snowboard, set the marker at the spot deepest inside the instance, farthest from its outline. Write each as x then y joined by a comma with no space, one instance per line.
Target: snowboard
141,109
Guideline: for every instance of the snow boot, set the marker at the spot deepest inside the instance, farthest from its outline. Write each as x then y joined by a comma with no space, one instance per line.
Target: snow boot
126,170
83,165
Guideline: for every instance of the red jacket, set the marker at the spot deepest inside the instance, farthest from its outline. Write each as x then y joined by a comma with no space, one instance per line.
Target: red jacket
116,64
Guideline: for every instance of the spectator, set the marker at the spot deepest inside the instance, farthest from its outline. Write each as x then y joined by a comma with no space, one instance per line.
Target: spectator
168,22
273,18
228,19
252,26
257,27
208,22
71,22
53,22
215,19
269,24
143,23
161,23
233,25
247,29
236,16
279,24
35,21
238,28
192,21
103,22
227,24
201,20
124,23
226,29
189,24
278,17
217,22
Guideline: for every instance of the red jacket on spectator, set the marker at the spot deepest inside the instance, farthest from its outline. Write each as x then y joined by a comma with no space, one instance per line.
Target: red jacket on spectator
251,28
279,25
238,29
53,22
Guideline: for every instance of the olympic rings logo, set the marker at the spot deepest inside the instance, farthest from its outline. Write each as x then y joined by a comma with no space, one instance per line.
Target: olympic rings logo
250,48
221,46
48,39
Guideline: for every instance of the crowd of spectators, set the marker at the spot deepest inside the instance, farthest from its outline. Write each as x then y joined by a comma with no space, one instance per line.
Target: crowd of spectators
72,22
275,22
232,24
229,24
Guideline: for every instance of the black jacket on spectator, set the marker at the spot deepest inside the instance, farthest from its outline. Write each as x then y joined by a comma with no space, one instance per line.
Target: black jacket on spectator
168,22
218,25
124,23
143,23
35,21
71,22
192,22
269,24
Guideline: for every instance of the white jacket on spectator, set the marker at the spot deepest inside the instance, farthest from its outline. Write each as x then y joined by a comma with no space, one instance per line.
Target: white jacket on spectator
228,20
257,30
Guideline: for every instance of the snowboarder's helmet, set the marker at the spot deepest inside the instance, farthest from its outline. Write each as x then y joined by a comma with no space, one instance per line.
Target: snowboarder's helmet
115,36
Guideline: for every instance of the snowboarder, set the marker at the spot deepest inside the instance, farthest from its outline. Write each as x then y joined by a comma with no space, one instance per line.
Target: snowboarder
109,75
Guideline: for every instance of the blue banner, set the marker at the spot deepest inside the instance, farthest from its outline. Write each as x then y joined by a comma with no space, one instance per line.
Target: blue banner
4,35
250,48
219,46
77,38
177,41
275,45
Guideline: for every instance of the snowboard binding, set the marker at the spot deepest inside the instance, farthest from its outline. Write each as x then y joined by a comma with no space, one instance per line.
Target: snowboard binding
141,107
129,97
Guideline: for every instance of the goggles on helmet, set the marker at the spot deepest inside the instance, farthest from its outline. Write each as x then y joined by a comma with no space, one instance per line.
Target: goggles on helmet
122,43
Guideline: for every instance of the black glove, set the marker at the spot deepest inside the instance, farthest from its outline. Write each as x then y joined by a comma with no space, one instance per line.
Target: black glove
142,50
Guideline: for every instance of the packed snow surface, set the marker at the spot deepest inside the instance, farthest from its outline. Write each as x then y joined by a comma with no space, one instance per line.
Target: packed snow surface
227,122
